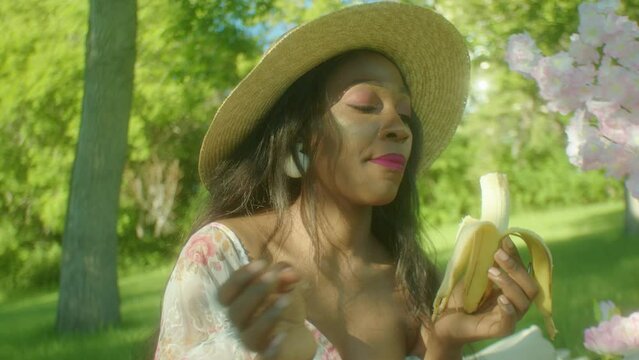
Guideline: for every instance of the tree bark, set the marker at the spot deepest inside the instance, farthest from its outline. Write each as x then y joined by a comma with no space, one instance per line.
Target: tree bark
89,298
631,223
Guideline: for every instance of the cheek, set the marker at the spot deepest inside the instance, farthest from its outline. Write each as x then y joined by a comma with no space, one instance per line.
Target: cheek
356,134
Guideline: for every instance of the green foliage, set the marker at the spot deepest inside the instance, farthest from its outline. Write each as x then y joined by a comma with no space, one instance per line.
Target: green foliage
190,54
507,128
40,77
187,58
576,236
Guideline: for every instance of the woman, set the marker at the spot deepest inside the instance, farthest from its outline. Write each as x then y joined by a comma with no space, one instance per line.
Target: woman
311,246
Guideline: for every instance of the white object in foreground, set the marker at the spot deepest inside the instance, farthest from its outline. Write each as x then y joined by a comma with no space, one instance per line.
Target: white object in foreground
527,344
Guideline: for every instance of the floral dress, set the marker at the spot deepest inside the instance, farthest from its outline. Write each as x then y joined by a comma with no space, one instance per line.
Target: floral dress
194,325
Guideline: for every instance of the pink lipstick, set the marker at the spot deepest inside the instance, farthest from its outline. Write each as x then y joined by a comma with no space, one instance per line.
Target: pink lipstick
391,161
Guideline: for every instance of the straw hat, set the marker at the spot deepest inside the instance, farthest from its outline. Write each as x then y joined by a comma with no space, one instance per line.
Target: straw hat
428,50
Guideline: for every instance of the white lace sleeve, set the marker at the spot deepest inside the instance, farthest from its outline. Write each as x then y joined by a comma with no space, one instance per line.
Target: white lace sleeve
194,325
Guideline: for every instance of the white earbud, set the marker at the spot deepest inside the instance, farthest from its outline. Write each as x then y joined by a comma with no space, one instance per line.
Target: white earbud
291,168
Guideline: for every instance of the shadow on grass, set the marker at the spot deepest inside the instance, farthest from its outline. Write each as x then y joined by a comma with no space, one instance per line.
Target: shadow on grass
599,265
27,326
592,262
595,263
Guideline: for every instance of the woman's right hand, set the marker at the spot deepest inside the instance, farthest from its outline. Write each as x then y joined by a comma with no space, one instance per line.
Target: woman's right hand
267,312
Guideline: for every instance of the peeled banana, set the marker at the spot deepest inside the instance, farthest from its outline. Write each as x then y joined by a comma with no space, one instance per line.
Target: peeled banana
478,240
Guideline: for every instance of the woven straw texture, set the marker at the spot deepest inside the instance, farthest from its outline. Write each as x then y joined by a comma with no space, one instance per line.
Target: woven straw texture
428,50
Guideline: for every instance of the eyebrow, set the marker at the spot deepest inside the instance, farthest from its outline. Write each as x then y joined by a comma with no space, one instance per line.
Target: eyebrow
402,89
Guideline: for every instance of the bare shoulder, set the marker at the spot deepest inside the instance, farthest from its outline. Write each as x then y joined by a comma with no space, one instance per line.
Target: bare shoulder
253,231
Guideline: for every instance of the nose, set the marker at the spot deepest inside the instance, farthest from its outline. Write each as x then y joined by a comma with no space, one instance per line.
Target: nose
394,129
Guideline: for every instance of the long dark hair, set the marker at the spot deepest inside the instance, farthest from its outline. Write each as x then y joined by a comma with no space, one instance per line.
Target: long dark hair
252,180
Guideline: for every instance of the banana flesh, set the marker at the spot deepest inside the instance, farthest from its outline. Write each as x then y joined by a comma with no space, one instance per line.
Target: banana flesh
478,240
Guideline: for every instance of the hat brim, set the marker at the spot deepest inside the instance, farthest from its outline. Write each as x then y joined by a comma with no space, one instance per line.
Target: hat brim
428,50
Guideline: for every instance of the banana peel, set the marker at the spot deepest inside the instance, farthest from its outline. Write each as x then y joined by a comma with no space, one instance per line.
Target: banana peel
478,240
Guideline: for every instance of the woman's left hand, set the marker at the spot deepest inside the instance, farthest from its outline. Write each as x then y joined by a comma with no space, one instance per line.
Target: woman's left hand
496,317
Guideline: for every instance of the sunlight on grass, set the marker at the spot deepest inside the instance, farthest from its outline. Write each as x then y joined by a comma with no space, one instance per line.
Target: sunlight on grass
592,262
553,225
26,325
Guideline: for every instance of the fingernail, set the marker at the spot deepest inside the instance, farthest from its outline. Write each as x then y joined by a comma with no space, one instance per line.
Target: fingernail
283,302
287,269
283,264
509,243
271,350
256,266
503,300
501,255
289,287
494,271
269,277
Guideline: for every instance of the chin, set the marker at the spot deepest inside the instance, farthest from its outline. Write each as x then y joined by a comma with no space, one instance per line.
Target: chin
382,199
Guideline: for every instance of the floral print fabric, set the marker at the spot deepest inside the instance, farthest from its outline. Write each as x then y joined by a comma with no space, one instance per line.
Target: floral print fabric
194,325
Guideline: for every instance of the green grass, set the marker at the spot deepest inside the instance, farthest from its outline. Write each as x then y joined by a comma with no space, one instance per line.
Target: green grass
593,261
26,325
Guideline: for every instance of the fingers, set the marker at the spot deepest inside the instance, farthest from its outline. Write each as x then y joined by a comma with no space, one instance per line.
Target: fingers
501,321
517,273
255,297
510,290
246,275
273,348
258,335
287,278
509,247
238,280
241,310
508,317
463,328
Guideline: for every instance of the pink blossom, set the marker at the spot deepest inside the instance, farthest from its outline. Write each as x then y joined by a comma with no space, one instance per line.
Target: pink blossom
522,53
618,336
606,6
583,53
616,83
631,61
626,25
591,26
598,81
622,46
617,160
584,145
565,86
598,21
633,137
613,122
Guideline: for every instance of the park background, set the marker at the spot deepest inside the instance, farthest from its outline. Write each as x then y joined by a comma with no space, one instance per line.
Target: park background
188,55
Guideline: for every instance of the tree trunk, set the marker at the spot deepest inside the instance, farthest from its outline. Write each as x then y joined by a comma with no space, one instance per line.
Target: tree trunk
631,227
89,298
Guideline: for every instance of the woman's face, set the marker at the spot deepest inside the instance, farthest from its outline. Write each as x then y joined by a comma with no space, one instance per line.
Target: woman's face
370,106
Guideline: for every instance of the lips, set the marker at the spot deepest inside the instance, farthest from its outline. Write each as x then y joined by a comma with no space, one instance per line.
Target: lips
391,161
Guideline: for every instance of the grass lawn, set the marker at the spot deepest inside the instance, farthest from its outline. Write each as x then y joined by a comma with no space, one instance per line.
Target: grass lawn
592,262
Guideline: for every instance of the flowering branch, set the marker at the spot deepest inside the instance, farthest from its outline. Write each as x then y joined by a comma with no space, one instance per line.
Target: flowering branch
597,81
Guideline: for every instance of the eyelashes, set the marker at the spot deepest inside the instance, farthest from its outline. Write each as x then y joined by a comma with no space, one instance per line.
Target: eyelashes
367,109
370,109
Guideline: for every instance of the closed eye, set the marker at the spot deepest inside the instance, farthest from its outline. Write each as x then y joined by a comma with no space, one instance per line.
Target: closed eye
365,108
369,109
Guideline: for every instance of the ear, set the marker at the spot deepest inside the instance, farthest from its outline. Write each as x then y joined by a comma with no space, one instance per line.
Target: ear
294,167
302,157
